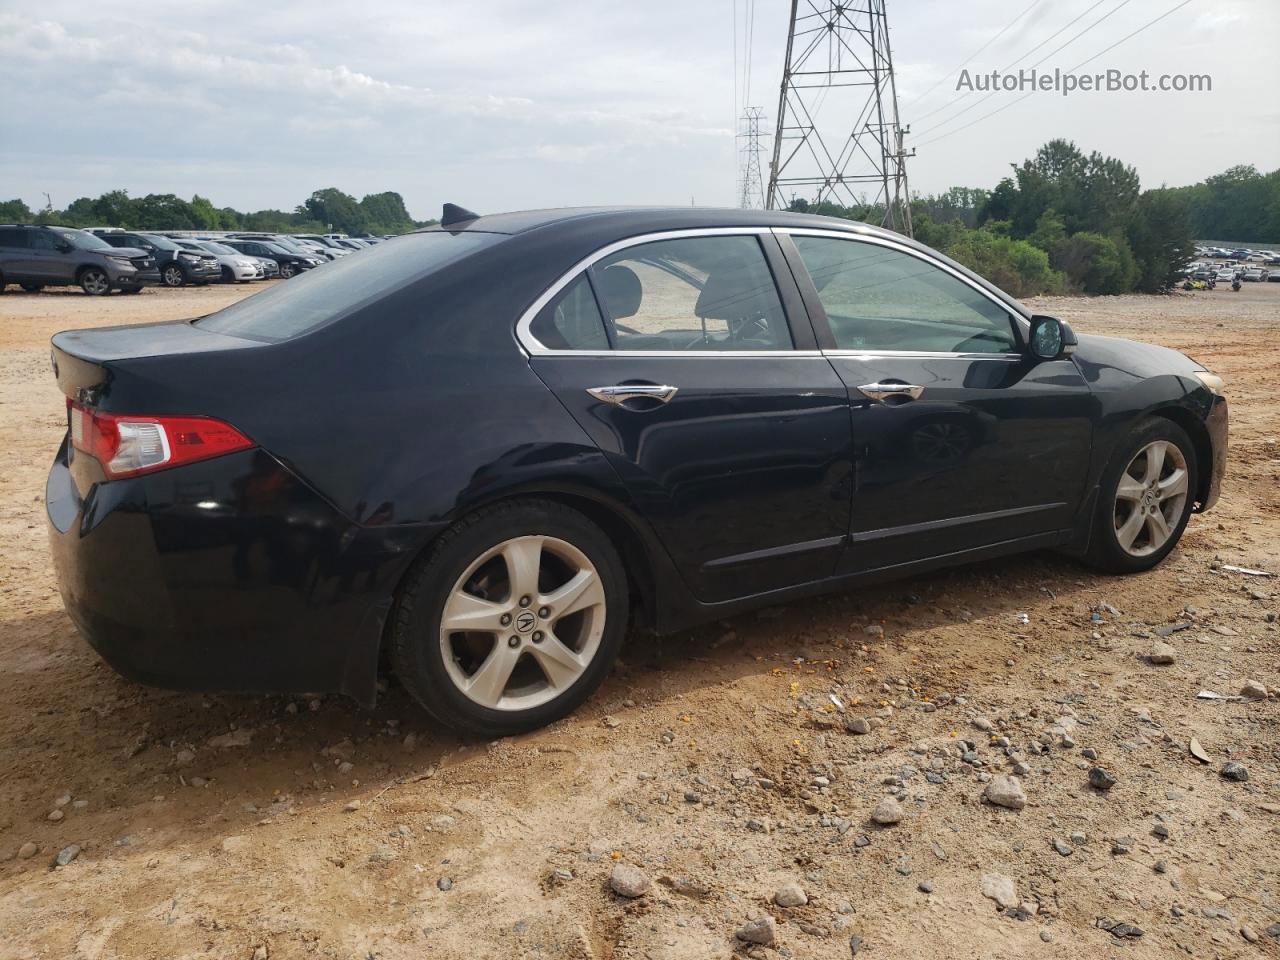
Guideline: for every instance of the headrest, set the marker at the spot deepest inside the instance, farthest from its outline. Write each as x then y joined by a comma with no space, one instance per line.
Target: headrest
723,298
621,290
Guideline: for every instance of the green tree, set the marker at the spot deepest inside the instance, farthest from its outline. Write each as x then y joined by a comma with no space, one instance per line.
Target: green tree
205,213
15,211
1161,239
332,206
1096,264
386,213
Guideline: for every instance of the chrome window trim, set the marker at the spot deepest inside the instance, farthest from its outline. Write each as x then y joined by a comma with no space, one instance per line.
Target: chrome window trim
692,354
1024,325
921,354
535,348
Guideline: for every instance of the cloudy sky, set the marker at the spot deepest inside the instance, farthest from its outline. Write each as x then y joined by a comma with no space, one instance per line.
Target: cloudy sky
507,105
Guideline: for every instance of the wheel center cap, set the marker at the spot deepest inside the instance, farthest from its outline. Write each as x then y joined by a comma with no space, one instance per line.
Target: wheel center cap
526,621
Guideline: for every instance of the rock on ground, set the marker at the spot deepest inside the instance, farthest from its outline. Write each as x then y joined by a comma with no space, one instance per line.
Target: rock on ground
628,881
1005,791
887,812
790,894
762,930
1001,889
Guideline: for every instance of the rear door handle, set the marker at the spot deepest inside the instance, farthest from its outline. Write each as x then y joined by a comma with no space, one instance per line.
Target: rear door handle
633,391
879,392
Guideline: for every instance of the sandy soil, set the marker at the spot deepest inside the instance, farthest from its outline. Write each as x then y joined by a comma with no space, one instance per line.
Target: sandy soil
716,761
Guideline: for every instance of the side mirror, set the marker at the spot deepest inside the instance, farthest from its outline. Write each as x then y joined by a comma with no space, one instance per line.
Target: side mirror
1051,338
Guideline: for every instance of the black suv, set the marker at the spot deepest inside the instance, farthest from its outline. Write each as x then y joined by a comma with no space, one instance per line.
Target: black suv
178,267
35,257
290,263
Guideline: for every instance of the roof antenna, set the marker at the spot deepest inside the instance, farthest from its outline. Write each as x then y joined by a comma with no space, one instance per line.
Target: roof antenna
455,214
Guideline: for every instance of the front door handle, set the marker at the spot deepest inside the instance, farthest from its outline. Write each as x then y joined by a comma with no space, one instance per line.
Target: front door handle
880,392
633,391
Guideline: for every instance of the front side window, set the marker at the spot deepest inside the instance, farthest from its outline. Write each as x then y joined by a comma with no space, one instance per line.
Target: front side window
878,298
44,240
695,293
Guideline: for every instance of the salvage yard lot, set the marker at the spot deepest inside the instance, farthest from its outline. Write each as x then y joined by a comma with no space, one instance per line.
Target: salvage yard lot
716,761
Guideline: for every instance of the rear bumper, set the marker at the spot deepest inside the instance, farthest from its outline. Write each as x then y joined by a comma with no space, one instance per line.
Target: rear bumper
229,574
1216,423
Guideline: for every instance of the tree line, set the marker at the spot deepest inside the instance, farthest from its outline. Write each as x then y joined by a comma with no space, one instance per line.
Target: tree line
1067,222
325,211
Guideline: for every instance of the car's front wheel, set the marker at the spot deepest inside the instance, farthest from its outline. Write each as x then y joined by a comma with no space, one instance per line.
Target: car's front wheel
95,282
512,620
173,275
1145,498
33,287
287,270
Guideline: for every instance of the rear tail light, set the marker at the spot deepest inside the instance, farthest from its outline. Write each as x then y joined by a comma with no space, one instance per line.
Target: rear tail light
126,445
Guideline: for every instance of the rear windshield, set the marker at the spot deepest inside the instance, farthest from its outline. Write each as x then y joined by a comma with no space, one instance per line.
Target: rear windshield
320,296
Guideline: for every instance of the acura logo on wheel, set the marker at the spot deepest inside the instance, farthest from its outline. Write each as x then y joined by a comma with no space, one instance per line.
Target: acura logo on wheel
526,622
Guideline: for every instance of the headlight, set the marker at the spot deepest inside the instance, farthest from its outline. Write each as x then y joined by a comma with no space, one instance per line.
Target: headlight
189,256
122,261
1212,381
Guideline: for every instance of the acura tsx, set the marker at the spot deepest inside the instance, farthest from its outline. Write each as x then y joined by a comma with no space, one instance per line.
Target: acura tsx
477,452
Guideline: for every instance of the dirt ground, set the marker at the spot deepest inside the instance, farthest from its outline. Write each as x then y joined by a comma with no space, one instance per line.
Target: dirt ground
716,761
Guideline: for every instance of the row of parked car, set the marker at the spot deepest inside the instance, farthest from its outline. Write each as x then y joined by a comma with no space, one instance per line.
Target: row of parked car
1240,255
1214,273
103,259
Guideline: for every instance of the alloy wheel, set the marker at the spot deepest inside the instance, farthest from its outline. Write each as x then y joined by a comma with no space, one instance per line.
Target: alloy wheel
523,623
1151,498
95,283
172,276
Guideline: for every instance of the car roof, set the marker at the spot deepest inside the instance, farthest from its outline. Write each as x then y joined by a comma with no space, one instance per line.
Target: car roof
648,218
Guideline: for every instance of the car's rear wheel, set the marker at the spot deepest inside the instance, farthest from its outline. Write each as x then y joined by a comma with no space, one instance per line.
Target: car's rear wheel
95,282
1145,498
512,620
33,287
173,275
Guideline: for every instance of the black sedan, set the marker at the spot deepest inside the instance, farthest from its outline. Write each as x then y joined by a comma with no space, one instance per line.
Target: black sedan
483,449
291,263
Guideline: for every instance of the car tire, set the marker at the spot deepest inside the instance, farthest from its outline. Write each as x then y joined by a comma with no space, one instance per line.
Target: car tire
1136,525
94,281
287,270
228,276
33,287
527,663
130,289
173,275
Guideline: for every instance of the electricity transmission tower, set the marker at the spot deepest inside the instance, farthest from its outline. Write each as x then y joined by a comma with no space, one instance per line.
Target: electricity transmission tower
751,192
838,138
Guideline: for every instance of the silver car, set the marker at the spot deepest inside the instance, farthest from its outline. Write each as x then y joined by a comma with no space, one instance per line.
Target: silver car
236,267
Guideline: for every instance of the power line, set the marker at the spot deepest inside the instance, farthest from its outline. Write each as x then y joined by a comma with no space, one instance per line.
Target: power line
955,116
1057,33
969,59
1025,96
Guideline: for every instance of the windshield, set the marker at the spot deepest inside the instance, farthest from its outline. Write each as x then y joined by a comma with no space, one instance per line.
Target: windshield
83,240
162,243
273,246
318,297
219,248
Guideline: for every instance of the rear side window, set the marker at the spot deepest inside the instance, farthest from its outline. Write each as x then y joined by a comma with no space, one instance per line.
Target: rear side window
572,321
13,239
321,296
695,293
